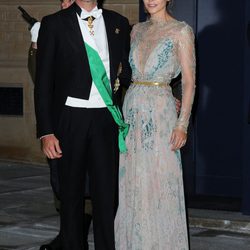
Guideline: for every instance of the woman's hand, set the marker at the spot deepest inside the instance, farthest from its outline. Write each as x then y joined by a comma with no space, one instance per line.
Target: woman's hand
178,139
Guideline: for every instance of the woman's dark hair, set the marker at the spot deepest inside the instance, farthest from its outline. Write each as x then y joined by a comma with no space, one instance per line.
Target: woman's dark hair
169,6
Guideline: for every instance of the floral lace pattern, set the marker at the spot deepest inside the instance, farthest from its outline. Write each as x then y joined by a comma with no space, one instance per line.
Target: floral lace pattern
151,213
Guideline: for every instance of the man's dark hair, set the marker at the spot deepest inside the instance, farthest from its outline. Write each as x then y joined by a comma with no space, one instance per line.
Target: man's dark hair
100,3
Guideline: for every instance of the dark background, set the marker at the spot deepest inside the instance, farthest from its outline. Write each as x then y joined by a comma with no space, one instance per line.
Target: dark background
216,160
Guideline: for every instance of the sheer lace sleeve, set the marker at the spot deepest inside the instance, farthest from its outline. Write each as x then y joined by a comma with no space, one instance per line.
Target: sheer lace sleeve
133,32
186,56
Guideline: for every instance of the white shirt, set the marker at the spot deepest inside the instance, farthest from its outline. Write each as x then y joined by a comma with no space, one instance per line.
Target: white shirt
99,39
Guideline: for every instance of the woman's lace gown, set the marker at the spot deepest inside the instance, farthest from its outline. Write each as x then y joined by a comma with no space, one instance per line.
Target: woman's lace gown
151,213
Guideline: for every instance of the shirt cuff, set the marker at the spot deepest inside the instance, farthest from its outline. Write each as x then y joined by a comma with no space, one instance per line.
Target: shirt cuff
34,32
45,136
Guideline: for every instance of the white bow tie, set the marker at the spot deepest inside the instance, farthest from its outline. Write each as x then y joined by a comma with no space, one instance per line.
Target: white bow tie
96,13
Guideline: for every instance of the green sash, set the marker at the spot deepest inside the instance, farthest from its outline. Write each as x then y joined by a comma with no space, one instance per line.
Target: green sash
102,83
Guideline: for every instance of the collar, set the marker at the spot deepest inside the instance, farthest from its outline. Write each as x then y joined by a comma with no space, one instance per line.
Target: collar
96,13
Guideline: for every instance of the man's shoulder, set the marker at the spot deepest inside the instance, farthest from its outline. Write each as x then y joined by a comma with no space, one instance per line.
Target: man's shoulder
51,18
54,16
115,15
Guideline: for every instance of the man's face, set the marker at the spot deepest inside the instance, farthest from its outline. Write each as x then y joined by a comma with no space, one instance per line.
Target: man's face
66,3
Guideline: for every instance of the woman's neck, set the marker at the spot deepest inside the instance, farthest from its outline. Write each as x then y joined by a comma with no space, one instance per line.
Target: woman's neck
161,17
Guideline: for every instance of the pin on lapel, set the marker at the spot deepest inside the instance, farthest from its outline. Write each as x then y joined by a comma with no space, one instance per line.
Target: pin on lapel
117,31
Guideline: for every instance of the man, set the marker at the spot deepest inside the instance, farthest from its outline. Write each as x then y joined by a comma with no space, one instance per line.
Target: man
55,244
79,53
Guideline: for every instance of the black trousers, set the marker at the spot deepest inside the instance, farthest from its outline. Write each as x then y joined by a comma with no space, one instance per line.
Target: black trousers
88,138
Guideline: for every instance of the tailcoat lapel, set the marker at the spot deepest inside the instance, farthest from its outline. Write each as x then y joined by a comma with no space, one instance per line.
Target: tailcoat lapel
110,37
75,38
73,30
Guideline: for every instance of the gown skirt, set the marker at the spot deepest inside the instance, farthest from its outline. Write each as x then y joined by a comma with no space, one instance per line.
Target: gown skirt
151,213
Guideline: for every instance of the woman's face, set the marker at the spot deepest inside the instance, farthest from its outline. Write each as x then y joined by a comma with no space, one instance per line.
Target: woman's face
155,7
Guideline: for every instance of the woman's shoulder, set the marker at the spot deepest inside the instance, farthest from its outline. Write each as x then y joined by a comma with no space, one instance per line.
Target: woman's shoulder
183,27
137,29
182,30
140,25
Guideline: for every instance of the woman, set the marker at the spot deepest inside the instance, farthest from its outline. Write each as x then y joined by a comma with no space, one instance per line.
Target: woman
151,213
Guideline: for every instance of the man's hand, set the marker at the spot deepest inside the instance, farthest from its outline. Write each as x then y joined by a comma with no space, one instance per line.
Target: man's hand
51,147
34,45
178,105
